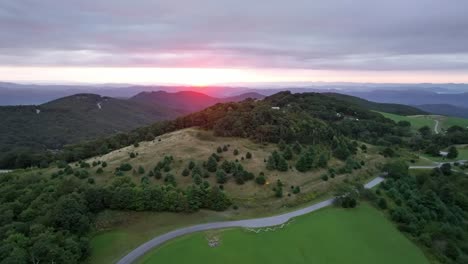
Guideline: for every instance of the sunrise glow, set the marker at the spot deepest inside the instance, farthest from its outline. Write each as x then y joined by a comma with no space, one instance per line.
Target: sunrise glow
212,76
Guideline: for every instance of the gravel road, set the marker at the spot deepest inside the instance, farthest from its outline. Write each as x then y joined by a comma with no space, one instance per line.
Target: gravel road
249,223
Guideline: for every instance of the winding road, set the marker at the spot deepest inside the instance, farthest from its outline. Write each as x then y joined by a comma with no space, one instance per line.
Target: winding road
249,223
436,126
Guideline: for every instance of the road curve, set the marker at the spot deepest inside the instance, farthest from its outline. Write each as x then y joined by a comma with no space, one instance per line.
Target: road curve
436,127
249,223
437,164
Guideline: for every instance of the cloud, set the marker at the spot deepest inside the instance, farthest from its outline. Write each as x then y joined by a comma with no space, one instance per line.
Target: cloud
330,35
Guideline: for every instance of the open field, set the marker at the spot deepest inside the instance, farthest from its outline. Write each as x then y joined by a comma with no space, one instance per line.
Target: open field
197,145
112,239
331,235
462,155
419,121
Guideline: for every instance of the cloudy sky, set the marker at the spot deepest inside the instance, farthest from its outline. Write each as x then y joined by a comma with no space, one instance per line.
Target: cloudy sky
234,41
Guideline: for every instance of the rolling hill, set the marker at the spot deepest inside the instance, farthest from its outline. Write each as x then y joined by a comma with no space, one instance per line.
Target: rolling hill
28,132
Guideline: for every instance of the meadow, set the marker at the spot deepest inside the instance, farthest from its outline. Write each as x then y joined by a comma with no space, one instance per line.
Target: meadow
332,235
418,121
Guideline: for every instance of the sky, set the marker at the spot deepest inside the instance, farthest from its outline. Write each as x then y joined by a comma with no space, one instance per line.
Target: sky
219,41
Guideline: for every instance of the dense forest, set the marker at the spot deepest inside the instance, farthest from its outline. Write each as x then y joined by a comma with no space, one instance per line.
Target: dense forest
310,118
47,219
432,207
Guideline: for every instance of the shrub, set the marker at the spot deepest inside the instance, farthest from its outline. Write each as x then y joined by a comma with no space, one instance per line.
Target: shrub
125,167
260,180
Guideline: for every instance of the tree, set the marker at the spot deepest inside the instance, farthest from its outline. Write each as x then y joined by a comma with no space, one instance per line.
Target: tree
425,131
197,179
287,153
99,171
382,203
396,169
446,169
236,152
297,148
191,165
296,190
260,180
211,165
219,150
322,161
388,152
451,251
248,155
186,172
226,166
225,148
278,189
271,164
141,170
221,177
281,145
125,167
452,152
282,164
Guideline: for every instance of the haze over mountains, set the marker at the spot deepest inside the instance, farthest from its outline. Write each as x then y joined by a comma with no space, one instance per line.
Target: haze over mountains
442,99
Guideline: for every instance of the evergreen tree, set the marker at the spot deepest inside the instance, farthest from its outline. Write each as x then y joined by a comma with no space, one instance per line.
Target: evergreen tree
191,165
322,161
221,177
211,165
248,155
452,152
186,172
282,164
236,152
287,153
281,145
197,179
226,166
297,148
219,150
141,170
271,164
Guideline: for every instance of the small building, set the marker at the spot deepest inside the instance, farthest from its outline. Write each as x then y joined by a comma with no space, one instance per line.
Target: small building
275,107
443,153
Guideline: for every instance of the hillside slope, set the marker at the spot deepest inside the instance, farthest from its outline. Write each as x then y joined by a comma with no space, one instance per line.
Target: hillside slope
27,130
392,108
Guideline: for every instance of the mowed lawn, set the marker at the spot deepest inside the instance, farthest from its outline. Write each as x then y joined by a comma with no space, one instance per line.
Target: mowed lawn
332,235
416,121
419,121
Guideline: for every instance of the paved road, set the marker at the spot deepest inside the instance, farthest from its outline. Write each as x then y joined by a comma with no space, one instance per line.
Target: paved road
436,127
437,165
5,171
249,223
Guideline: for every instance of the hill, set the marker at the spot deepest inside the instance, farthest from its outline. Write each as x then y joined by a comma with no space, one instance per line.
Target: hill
185,102
398,109
30,132
248,158
445,109
413,96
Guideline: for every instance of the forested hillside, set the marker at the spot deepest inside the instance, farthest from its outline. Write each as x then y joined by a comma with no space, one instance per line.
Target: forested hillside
31,134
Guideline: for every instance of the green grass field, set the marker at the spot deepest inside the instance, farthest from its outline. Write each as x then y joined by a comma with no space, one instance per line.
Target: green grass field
332,235
429,120
120,238
416,121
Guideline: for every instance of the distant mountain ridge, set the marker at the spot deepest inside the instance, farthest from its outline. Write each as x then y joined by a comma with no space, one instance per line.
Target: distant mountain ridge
445,109
31,129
